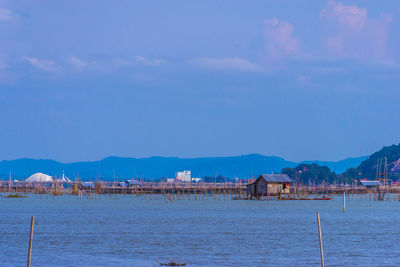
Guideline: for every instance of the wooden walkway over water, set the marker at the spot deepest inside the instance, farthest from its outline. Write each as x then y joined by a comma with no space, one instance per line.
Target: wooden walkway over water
234,190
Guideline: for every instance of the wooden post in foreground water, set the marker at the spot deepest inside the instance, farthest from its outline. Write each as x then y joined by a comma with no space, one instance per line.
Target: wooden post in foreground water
344,201
320,241
30,242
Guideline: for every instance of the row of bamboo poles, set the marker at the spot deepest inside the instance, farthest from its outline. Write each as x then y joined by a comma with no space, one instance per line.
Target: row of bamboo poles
194,191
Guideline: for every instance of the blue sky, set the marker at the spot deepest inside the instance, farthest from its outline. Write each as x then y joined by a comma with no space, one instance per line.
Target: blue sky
304,80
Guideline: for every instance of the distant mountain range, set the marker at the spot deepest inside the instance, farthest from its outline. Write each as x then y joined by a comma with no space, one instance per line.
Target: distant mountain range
158,167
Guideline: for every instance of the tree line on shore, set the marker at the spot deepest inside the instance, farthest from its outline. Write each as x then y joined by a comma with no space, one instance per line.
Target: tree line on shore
314,174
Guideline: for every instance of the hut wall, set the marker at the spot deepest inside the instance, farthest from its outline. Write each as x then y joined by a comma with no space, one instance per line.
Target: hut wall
274,188
264,188
261,187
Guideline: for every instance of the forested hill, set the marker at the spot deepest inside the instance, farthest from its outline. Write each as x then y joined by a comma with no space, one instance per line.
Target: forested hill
311,174
368,167
244,166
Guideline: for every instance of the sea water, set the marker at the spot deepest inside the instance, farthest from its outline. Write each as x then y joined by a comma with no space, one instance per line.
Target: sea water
138,231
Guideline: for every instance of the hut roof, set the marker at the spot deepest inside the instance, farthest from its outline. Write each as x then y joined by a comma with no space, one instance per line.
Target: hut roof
276,178
370,183
132,182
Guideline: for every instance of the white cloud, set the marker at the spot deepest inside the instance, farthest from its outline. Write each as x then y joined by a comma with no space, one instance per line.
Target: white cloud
150,62
349,16
280,39
42,64
77,63
139,60
5,14
352,34
234,63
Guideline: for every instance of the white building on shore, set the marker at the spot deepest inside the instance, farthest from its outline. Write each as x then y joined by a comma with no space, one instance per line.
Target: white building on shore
183,176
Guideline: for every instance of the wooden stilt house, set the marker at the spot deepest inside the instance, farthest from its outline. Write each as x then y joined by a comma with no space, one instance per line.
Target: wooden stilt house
269,185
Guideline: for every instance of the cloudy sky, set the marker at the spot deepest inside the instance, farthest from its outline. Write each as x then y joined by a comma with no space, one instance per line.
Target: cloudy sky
304,80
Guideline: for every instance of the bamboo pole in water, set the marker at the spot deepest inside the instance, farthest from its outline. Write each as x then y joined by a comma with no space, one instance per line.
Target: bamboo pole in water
320,240
30,242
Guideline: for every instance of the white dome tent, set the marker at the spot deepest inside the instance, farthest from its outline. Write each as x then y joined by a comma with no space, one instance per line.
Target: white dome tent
39,178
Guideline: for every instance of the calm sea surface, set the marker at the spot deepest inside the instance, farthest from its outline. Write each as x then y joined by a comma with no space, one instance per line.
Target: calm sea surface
131,231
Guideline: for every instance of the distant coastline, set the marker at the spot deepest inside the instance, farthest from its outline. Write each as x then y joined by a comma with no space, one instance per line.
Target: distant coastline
242,167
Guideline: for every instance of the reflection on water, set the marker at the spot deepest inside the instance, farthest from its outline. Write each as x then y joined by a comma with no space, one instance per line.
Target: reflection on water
131,231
